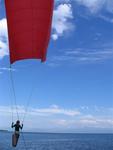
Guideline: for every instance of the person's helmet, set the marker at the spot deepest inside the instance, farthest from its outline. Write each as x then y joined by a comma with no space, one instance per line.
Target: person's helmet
18,122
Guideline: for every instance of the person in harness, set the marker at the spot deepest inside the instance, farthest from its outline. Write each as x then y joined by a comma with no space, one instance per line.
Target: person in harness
16,134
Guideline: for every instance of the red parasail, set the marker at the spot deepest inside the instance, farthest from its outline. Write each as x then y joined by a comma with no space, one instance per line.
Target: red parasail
29,27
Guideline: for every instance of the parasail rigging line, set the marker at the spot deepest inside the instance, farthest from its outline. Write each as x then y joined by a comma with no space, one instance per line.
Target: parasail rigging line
11,101
28,103
29,99
14,93
10,97
15,100
25,145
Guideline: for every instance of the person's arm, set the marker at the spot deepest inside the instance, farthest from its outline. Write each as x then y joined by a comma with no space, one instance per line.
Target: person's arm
12,125
21,126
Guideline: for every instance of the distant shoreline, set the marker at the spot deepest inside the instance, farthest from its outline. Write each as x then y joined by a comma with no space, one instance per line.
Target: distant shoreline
4,131
32,132
28,132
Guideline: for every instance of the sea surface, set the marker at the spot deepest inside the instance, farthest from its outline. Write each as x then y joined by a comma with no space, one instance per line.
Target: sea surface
47,141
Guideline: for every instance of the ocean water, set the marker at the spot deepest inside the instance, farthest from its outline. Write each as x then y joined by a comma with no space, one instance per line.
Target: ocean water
46,141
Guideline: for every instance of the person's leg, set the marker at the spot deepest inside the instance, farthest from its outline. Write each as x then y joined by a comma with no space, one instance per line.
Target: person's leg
17,137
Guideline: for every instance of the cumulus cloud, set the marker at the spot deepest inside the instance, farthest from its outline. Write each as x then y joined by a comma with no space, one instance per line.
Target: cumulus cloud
61,20
3,38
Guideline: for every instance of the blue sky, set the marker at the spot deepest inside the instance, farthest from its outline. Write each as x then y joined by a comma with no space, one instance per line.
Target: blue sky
72,91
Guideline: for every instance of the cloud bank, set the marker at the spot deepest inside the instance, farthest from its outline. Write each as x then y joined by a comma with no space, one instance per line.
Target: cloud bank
56,118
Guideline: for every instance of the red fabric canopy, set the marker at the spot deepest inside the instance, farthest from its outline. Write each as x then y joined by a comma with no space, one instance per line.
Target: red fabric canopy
29,25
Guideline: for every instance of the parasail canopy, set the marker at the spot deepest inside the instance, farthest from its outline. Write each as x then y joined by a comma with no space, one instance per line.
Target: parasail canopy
29,26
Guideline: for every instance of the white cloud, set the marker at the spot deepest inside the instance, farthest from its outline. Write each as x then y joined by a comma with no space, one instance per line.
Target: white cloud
52,110
97,5
3,38
93,5
82,55
3,28
83,123
107,19
97,123
60,119
54,37
6,69
61,20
